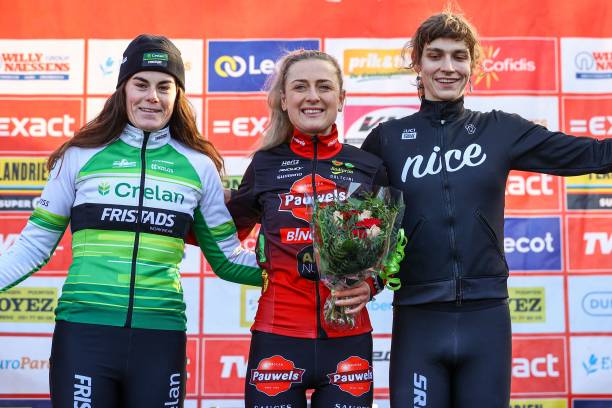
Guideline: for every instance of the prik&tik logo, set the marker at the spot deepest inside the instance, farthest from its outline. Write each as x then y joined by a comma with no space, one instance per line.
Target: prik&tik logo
353,375
275,375
243,66
373,62
300,197
518,65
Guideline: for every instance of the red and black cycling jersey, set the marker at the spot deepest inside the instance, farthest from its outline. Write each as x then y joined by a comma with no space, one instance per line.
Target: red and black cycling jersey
272,193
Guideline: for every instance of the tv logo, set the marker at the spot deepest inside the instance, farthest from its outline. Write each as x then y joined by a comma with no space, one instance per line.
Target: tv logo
243,66
590,243
533,244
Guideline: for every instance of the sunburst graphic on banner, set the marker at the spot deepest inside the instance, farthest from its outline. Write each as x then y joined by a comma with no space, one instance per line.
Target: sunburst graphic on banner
490,53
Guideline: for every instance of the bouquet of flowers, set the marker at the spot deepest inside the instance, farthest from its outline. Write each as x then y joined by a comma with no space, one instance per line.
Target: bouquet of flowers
355,239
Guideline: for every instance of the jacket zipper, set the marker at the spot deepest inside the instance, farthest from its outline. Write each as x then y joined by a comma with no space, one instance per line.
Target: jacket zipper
320,332
450,213
137,227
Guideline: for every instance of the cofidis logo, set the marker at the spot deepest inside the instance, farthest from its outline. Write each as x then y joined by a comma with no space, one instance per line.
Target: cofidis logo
533,244
243,66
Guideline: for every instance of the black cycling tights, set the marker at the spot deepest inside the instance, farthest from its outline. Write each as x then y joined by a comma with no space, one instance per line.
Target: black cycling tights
451,355
110,367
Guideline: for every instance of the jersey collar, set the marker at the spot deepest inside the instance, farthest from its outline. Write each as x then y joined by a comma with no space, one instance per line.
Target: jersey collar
327,145
442,110
134,137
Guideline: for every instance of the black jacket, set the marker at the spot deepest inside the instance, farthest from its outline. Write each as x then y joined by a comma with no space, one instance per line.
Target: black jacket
452,165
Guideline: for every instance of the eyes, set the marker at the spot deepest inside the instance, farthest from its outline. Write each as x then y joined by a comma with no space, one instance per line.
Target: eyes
321,86
458,56
164,87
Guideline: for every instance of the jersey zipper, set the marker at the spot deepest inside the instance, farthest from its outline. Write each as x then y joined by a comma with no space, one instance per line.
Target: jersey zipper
320,332
137,227
451,215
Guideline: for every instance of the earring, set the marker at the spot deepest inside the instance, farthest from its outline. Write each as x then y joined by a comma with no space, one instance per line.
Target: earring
470,85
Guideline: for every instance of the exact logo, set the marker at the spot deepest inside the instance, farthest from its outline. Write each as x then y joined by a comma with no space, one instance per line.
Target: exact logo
275,375
353,375
588,116
529,192
533,244
243,66
28,125
526,64
538,365
236,125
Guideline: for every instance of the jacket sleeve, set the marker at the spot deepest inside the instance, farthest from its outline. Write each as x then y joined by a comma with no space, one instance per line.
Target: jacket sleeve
244,205
45,227
537,149
216,234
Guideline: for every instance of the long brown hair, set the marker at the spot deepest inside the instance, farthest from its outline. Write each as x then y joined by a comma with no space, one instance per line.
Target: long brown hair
279,128
108,125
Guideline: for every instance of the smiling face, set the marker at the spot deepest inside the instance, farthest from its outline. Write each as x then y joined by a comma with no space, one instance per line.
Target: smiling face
444,69
149,97
312,96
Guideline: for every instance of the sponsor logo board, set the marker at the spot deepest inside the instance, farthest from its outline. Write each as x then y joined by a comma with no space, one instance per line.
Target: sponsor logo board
532,192
105,56
362,115
533,244
42,67
592,403
21,181
29,307
381,355
373,65
192,367
538,366
24,365
591,192
538,403
586,65
590,304
380,310
39,125
518,65
589,241
536,304
236,125
225,366
244,65
240,306
62,256
591,364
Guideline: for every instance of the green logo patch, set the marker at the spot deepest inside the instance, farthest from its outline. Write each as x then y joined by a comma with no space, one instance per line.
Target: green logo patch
103,188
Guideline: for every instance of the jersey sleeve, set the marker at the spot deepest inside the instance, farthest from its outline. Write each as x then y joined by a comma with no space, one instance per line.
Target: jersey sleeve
216,234
244,206
45,227
537,149
372,142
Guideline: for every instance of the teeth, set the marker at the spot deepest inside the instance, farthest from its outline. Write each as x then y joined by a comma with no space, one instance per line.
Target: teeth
309,111
447,81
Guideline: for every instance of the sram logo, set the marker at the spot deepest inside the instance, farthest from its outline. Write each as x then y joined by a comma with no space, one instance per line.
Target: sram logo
538,365
38,125
590,243
235,125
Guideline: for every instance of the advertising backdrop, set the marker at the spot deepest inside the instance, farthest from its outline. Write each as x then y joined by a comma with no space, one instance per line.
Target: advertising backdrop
549,61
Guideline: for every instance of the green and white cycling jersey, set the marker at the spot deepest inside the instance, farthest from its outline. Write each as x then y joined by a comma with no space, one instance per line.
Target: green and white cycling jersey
130,209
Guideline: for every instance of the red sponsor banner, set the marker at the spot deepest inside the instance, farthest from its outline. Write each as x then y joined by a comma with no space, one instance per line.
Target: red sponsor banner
62,256
359,120
235,125
539,366
193,363
589,241
225,366
532,192
516,64
39,125
588,116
